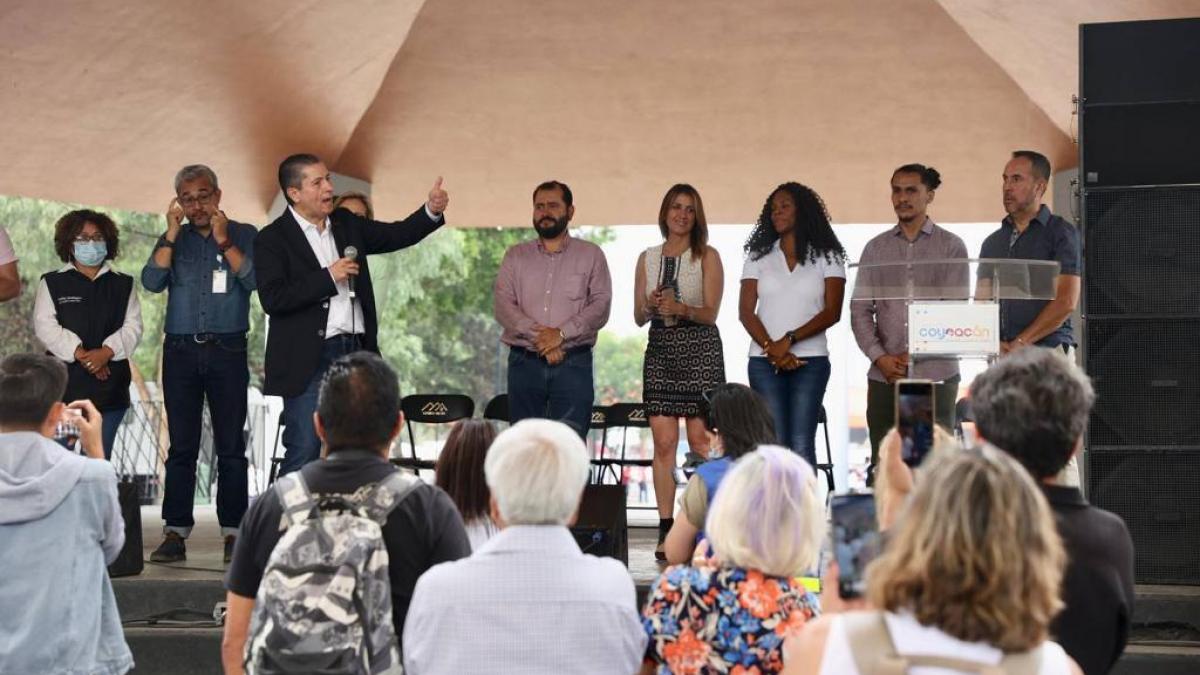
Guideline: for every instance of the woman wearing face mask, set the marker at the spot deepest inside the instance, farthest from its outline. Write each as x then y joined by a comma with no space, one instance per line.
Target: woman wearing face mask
88,315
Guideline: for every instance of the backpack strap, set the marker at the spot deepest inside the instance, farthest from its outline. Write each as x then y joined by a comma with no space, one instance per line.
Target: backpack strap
387,494
871,644
875,654
297,501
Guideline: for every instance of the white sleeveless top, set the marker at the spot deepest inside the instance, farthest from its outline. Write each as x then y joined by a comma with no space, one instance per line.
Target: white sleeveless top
689,273
910,637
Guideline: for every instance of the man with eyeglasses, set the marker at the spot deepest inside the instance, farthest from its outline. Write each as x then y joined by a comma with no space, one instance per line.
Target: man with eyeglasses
206,264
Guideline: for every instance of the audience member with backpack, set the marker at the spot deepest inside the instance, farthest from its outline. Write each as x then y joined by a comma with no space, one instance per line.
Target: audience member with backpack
325,568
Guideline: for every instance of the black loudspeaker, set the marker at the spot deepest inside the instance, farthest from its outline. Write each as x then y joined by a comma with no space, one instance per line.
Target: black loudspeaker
1154,491
1142,250
602,528
1139,139
129,561
1140,99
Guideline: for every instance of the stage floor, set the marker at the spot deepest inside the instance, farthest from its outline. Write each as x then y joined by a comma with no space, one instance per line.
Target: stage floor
205,547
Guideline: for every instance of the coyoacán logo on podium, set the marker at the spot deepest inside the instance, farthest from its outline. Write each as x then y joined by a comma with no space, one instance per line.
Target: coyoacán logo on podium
435,408
954,328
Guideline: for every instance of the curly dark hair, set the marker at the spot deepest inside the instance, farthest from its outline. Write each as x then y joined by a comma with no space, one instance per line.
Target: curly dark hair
70,225
814,233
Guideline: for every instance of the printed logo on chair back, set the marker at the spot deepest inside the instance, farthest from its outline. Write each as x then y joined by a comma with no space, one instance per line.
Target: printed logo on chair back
435,408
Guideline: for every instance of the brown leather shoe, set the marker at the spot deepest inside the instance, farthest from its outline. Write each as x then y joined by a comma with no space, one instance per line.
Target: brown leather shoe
172,549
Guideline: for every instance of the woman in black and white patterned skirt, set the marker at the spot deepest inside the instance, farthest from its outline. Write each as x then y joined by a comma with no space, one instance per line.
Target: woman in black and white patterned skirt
678,291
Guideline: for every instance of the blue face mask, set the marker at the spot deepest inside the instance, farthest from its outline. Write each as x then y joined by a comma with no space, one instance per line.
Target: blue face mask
91,253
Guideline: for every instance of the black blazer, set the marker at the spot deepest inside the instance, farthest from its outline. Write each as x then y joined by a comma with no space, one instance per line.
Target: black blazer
294,289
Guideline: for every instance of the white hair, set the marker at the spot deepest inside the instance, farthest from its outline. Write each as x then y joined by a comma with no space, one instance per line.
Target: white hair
537,470
766,516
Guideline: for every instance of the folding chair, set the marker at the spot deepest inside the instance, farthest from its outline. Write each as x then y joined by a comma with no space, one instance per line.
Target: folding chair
430,409
497,409
276,460
827,467
625,416
599,421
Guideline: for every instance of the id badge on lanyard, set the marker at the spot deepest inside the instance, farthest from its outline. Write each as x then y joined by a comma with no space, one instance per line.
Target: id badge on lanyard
220,277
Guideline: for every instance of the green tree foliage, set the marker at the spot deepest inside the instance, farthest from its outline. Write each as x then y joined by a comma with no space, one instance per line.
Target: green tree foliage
618,367
434,300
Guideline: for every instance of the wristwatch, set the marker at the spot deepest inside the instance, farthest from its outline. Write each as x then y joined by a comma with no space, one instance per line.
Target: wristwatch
228,244
164,242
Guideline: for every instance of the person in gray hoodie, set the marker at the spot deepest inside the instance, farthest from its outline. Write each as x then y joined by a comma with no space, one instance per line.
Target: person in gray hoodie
60,525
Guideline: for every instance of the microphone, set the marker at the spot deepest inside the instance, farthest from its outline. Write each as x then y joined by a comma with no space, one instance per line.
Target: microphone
351,254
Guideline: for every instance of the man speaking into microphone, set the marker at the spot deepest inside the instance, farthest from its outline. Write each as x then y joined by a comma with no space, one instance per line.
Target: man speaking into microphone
315,284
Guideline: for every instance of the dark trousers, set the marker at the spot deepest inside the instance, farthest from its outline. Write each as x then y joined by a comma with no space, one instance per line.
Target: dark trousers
794,399
300,441
192,372
562,392
881,409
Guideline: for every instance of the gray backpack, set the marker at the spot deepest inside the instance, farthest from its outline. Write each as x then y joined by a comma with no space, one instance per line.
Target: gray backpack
325,601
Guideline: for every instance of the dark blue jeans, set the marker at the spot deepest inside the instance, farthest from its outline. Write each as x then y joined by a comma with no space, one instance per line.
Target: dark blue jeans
110,423
794,399
192,372
562,392
300,441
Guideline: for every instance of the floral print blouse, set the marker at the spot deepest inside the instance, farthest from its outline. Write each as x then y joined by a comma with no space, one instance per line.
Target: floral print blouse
723,620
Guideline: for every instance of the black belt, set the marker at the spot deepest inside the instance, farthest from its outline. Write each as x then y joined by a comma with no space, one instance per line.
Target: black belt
346,337
205,338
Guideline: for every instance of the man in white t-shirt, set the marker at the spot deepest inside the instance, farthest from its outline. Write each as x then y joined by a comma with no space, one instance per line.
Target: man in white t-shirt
10,281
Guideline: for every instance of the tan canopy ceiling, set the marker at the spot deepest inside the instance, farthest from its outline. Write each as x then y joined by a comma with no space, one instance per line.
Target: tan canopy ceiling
102,102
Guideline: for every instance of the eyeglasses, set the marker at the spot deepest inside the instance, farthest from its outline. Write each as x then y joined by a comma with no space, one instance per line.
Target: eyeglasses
83,238
191,201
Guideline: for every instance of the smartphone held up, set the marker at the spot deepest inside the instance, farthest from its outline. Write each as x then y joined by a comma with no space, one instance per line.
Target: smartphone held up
915,417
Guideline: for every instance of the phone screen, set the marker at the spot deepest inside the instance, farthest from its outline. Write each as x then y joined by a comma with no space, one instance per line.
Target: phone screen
855,541
914,419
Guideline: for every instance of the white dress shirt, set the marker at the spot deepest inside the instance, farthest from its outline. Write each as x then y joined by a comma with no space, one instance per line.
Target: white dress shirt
345,317
528,601
62,343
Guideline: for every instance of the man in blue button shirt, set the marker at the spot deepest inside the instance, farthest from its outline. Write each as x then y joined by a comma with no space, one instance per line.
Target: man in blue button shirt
207,265
1031,232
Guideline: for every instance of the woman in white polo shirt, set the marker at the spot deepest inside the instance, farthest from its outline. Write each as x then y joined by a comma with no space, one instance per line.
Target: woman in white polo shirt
793,283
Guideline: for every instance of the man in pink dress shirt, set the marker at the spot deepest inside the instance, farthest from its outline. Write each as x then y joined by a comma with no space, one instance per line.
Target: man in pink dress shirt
552,296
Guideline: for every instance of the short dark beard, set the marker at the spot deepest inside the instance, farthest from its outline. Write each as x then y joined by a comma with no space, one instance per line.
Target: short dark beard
560,225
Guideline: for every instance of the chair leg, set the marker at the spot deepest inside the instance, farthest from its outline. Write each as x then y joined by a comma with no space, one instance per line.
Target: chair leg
828,457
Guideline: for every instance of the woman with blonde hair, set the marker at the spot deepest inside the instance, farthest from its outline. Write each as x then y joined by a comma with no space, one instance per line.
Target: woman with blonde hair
968,581
734,611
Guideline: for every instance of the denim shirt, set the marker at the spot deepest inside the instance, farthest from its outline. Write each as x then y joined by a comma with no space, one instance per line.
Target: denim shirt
192,307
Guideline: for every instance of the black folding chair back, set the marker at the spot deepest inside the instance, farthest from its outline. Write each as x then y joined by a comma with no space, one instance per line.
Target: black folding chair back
497,409
430,409
623,416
